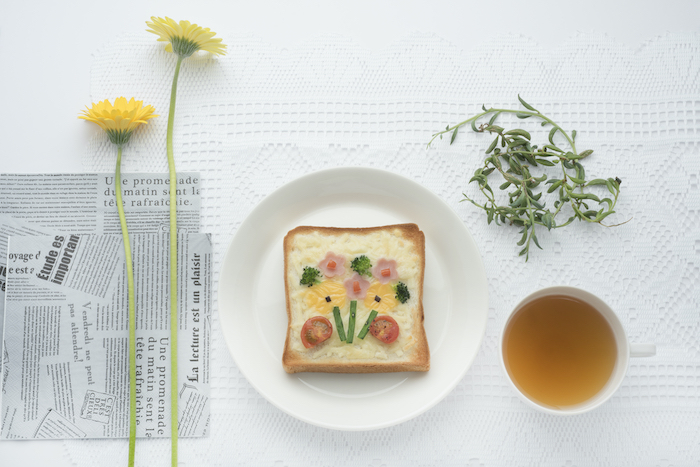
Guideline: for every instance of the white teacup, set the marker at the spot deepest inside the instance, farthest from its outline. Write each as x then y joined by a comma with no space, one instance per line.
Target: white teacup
625,350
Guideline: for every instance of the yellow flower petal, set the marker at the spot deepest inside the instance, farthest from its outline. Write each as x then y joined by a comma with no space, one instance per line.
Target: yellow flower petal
184,37
120,119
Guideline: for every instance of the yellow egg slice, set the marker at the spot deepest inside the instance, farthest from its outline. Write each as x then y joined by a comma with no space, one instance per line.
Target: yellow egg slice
316,296
385,292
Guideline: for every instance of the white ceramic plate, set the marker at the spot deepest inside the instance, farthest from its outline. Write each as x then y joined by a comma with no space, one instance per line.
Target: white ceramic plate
254,318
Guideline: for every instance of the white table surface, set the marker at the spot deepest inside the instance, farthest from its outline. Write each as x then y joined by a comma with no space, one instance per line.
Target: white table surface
46,51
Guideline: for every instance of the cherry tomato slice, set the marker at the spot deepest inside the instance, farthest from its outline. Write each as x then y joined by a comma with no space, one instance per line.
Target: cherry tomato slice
315,330
385,328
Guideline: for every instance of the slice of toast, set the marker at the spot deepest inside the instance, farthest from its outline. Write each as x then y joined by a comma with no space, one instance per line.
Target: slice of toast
308,247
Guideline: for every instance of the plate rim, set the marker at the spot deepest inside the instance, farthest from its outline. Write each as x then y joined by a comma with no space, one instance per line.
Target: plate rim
440,395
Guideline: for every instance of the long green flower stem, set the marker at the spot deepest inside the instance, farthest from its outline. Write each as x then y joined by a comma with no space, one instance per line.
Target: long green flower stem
173,270
132,311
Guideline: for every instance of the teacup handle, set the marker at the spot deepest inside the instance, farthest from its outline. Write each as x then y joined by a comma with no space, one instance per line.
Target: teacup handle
642,350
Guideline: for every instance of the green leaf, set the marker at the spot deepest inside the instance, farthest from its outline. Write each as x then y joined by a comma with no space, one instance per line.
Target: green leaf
493,118
512,180
526,105
523,239
504,185
534,237
584,196
474,126
522,115
519,201
489,217
492,146
515,142
523,252
610,187
548,220
519,132
545,162
556,185
454,135
553,148
585,153
551,134
603,216
495,159
573,135
597,181
515,165
494,128
488,171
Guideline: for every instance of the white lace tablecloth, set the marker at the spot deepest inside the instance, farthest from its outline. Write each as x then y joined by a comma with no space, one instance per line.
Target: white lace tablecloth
261,116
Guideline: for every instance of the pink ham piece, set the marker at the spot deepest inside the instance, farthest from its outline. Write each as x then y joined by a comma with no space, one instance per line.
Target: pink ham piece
350,287
382,266
331,258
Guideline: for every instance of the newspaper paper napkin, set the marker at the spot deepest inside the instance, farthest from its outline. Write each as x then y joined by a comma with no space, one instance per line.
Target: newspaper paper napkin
65,360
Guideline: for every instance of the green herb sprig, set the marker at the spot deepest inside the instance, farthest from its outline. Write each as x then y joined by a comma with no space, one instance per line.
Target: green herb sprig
512,155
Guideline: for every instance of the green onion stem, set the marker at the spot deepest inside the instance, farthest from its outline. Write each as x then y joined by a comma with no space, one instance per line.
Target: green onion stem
339,323
173,270
351,322
132,311
365,328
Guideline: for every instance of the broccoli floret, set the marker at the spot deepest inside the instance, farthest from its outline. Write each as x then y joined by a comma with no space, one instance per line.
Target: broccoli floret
361,265
402,293
310,276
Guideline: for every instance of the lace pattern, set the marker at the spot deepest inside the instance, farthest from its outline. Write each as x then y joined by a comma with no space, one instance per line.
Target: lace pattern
260,117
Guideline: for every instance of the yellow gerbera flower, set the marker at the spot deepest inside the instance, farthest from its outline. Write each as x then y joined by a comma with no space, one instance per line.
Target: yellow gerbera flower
184,37
119,120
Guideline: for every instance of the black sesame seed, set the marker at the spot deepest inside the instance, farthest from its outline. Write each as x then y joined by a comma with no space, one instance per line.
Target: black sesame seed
377,298
328,298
